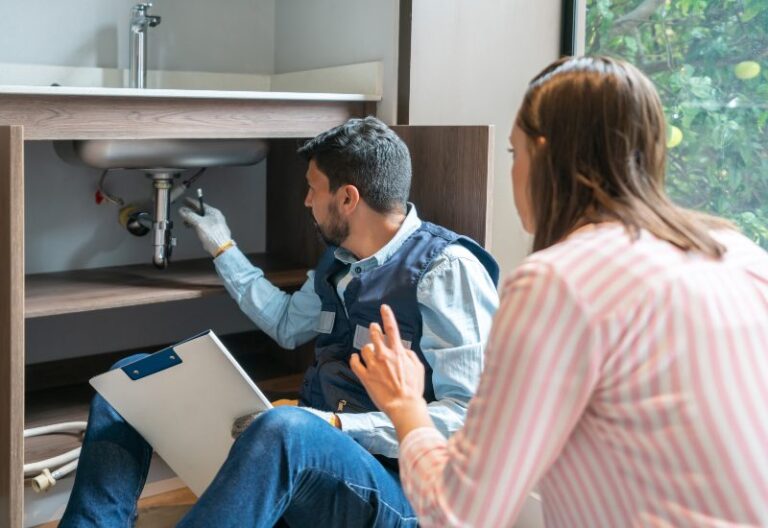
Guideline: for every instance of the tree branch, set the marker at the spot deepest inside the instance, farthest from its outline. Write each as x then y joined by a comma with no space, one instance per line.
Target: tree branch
642,13
659,66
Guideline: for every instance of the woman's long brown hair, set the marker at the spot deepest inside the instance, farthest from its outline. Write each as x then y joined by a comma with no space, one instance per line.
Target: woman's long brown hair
597,139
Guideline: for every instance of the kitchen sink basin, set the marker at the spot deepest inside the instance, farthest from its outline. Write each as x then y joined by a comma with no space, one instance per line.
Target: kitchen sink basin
162,160
166,155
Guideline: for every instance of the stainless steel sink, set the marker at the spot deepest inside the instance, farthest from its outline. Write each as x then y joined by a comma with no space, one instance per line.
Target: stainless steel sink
162,160
168,155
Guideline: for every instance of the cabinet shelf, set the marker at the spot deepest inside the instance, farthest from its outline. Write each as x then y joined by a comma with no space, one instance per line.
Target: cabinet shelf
68,292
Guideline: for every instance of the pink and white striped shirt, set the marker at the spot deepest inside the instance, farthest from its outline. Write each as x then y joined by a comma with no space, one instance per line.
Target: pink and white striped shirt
627,381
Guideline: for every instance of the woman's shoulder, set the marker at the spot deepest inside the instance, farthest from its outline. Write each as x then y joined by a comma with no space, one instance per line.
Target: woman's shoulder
741,252
603,264
595,261
611,244
583,256
586,251
739,244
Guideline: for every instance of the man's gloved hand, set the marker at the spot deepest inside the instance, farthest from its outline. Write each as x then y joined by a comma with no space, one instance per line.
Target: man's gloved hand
242,423
211,228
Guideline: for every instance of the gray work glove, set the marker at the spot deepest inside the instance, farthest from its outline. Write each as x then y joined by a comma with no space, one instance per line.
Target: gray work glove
242,423
211,229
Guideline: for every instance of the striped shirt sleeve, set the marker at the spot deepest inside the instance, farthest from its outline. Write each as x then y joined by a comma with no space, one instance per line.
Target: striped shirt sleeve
542,364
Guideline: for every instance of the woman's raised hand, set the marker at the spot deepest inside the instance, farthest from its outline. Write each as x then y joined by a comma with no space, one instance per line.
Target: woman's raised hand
392,374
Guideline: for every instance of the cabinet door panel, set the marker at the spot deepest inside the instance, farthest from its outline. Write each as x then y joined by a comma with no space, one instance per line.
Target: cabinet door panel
291,233
11,325
452,176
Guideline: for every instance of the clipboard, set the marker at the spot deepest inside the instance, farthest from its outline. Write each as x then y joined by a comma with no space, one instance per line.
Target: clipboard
183,400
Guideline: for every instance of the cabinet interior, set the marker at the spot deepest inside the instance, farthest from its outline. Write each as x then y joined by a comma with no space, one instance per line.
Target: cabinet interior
452,178
449,189
58,391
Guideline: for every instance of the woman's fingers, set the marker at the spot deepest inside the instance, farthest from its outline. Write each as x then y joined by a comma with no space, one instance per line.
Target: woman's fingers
412,355
357,366
367,353
390,326
377,337
415,361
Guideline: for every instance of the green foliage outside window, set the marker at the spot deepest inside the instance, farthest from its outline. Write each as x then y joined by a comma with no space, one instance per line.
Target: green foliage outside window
709,61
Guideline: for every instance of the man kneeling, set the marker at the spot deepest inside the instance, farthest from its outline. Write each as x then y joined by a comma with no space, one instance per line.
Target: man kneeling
332,461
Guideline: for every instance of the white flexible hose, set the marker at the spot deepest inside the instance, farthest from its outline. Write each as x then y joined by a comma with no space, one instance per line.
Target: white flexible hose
64,427
36,467
64,460
65,470
46,480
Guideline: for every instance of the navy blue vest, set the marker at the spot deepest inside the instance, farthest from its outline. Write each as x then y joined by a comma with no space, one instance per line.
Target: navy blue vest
330,384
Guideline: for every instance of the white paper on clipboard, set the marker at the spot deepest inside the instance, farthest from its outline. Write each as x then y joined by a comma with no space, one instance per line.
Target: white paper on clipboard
183,401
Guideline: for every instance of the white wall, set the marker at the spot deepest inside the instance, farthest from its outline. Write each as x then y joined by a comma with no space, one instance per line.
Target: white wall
71,232
470,64
321,33
195,35
65,229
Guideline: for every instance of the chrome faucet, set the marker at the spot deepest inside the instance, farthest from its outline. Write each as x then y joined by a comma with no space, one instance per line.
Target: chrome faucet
162,181
141,21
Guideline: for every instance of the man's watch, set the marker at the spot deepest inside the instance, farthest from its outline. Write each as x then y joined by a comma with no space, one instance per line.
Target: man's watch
335,421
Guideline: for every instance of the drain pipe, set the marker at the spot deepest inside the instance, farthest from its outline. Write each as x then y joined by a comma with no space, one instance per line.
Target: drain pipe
163,242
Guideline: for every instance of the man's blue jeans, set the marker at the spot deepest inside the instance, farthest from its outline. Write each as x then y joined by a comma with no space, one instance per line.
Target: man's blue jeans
289,465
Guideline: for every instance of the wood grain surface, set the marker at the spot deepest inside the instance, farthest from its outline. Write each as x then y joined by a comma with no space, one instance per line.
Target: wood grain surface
452,176
11,325
291,232
68,292
93,117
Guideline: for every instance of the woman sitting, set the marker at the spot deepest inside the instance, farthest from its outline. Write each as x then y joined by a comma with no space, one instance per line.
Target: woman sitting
627,371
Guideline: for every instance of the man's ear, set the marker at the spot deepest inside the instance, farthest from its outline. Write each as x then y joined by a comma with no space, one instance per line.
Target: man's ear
350,198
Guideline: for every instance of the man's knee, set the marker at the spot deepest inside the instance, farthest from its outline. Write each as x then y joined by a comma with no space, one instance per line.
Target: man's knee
282,433
279,424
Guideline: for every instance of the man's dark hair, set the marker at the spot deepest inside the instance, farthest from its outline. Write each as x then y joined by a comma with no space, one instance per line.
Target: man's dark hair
365,153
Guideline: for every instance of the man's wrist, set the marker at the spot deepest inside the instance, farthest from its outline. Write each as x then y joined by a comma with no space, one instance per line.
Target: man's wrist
224,247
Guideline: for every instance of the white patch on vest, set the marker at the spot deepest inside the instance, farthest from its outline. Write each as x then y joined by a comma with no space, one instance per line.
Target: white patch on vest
325,322
363,337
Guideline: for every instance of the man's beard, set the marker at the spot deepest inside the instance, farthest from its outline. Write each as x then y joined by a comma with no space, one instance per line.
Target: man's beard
335,230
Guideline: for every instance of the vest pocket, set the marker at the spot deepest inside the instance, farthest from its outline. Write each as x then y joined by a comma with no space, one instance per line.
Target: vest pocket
363,337
325,322
339,384
343,406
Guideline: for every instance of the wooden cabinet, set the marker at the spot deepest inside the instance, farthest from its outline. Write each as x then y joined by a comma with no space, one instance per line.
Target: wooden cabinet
451,186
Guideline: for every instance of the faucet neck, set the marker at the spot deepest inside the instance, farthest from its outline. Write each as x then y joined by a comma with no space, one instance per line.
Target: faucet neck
140,21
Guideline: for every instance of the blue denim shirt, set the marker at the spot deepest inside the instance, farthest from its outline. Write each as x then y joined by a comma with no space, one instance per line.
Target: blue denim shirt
457,300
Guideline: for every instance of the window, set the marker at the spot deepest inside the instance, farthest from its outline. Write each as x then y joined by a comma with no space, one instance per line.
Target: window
709,61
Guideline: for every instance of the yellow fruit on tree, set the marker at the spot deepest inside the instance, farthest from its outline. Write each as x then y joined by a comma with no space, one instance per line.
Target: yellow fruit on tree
747,70
674,136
